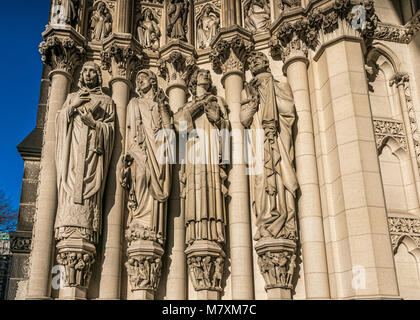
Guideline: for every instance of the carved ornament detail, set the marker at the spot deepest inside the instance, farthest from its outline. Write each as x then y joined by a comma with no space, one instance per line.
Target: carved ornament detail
230,56
400,227
61,53
389,128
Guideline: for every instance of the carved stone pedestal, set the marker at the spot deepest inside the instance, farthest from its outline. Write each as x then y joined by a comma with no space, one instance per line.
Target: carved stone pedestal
206,261
276,258
144,268
77,257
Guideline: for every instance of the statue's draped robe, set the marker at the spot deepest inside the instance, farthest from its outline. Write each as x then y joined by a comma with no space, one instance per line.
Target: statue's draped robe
147,139
101,25
82,160
208,30
148,33
273,189
176,20
203,176
258,19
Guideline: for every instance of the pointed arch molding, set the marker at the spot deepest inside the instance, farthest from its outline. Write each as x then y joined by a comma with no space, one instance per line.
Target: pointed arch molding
404,227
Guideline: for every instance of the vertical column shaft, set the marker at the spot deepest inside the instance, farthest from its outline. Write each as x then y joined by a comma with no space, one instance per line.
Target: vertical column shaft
409,133
176,284
43,242
239,212
114,206
309,203
124,13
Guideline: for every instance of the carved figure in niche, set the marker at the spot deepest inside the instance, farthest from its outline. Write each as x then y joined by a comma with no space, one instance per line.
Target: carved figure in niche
177,19
257,15
65,12
85,140
80,268
148,30
132,266
207,26
62,260
269,107
100,22
218,273
147,177
291,270
203,199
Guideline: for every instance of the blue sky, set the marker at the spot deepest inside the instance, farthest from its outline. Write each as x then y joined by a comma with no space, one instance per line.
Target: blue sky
21,24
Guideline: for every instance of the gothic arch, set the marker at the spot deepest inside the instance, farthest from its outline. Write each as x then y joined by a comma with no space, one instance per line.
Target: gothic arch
396,147
378,49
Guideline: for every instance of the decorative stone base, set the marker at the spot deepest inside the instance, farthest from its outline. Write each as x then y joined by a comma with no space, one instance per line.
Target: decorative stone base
144,267
77,257
206,265
276,258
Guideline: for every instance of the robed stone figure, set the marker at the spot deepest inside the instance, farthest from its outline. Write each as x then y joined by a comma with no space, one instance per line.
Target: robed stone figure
203,173
269,113
85,140
147,164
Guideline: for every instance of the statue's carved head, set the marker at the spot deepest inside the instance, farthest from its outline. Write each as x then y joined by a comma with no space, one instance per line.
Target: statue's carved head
90,76
146,80
200,77
258,63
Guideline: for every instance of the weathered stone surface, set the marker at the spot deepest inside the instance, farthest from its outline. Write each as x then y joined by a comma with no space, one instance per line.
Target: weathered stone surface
338,192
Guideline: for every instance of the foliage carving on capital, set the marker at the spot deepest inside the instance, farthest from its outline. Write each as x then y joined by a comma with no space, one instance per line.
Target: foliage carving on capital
401,227
125,59
231,56
177,67
61,53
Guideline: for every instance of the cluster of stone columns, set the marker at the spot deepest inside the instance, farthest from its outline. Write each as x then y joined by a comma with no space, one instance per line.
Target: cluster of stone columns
342,217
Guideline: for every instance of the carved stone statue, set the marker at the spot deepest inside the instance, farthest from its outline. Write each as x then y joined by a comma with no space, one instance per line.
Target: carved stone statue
207,26
65,12
257,15
148,30
147,175
100,22
177,19
203,176
85,140
270,109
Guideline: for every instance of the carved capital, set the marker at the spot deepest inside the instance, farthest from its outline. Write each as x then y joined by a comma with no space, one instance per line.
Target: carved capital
61,53
277,262
77,257
385,129
144,266
206,260
177,63
121,60
399,79
230,56
293,40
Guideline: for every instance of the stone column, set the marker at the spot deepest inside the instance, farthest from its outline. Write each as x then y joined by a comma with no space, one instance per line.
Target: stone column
119,58
177,59
62,54
402,82
309,202
359,252
230,50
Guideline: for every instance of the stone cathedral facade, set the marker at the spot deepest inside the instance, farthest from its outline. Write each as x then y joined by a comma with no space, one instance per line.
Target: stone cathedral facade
223,149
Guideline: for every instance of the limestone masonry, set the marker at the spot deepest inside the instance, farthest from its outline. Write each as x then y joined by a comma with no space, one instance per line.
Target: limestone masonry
223,149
